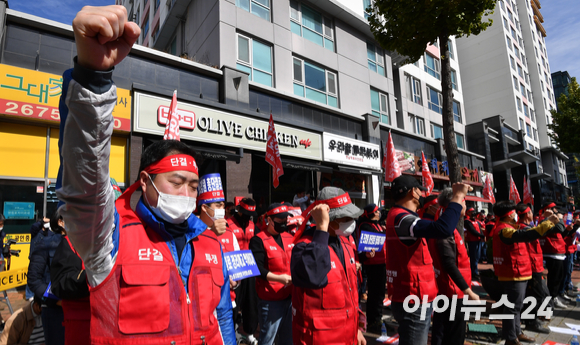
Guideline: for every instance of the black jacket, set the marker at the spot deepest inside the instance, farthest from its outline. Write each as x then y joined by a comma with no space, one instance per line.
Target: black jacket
69,279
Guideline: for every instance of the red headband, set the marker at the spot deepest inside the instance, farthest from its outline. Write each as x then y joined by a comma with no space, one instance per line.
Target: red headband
336,202
373,211
173,163
279,209
525,211
247,207
551,205
507,214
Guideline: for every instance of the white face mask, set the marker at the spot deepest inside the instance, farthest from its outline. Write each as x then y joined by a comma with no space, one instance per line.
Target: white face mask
46,225
219,213
345,229
1,228
174,209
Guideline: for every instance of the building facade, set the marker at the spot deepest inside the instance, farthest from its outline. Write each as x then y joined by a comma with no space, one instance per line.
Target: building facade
507,73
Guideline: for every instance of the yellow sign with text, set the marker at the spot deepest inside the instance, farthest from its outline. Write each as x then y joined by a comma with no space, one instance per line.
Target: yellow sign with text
13,278
34,94
22,244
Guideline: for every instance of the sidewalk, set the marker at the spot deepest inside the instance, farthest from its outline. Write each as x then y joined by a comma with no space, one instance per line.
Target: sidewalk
16,297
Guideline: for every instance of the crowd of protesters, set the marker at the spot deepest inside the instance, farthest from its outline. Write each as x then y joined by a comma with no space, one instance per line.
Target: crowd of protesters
104,272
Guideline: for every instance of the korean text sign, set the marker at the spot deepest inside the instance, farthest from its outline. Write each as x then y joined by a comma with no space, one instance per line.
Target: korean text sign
371,240
241,264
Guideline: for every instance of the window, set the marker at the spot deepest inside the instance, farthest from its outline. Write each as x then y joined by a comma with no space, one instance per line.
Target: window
380,106
501,5
521,123
516,51
505,23
315,83
510,15
454,80
138,16
436,131
460,141
456,112
520,71
519,103
146,26
450,49
513,63
261,8
311,25
526,111
528,130
255,58
509,42
533,115
413,87
513,34
432,66
376,59
523,90
418,124
435,100
535,135
366,6
156,4
515,83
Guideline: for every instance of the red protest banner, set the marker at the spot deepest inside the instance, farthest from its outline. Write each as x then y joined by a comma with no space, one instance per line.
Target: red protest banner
172,126
273,154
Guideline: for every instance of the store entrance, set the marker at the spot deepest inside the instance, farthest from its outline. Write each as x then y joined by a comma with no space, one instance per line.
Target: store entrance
293,179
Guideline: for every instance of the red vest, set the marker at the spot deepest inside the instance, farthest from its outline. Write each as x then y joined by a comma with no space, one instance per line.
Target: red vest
380,258
536,255
409,268
328,315
143,300
570,245
242,236
277,262
481,229
553,244
446,286
469,237
510,260
227,242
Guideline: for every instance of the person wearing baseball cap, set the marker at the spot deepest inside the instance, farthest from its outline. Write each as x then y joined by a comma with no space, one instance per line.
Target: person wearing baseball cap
272,250
324,273
409,263
146,264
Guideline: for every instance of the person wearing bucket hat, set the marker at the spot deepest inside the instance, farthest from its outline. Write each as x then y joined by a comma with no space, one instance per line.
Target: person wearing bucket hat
409,263
153,257
512,265
272,250
324,273
243,228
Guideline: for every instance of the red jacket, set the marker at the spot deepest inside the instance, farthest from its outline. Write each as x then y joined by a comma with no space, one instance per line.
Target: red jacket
277,262
570,244
445,285
143,300
469,237
328,315
242,236
510,261
409,268
553,244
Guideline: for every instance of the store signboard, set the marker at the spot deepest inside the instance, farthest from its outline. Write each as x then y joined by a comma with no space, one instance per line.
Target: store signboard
343,150
207,125
35,95
18,210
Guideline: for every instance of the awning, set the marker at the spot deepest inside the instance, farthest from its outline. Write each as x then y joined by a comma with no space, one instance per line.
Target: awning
359,171
287,163
476,198
217,154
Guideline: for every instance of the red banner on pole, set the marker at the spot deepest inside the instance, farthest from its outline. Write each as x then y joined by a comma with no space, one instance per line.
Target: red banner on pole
488,189
514,194
172,126
427,179
390,162
273,154
528,197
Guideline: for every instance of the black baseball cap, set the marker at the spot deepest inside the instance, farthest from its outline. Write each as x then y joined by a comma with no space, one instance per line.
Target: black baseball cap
404,183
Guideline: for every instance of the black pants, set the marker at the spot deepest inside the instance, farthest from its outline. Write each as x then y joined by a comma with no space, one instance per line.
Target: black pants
247,302
446,332
515,291
376,280
536,288
555,275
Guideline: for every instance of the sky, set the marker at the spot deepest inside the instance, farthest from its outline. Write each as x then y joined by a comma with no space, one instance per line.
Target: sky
561,21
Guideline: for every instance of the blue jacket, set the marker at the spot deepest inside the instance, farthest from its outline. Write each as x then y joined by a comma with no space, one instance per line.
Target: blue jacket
44,246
